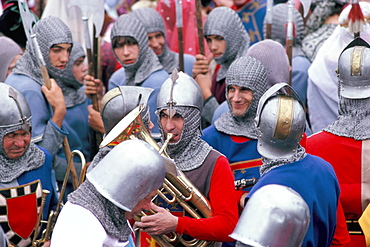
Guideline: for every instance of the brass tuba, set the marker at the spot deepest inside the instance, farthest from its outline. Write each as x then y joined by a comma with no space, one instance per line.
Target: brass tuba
53,215
175,183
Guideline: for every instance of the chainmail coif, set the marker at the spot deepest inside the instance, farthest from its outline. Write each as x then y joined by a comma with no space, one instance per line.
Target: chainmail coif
147,62
109,215
278,33
49,31
153,22
225,22
190,151
32,159
71,87
353,120
250,73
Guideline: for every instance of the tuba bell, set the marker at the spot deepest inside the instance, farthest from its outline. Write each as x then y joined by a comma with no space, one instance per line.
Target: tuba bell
176,184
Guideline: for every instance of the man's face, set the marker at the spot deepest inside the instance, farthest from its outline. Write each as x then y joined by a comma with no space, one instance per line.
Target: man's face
240,99
173,126
142,205
80,69
126,52
156,42
216,44
16,143
59,55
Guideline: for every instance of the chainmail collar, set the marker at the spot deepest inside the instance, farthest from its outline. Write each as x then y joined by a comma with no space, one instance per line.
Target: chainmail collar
49,31
353,120
109,215
169,59
147,62
190,151
268,164
11,169
28,65
245,125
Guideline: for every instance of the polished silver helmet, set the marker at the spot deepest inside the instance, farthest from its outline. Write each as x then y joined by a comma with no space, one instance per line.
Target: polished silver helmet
274,216
281,119
353,70
128,173
180,89
14,108
119,101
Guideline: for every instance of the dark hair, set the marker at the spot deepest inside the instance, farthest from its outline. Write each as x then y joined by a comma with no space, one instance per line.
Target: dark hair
119,41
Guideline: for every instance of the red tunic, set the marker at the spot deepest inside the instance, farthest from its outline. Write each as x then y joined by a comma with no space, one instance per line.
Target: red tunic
224,210
351,161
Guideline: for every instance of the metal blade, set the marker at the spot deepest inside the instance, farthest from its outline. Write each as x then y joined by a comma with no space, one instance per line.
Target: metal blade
91,9
28,20
121,126
306,6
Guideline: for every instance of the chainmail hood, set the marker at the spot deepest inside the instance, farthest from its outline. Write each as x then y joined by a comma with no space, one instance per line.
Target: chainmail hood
49,31
250,73
109,215
274,58
153,22
71,87
225,22
190,151
9,50
32,159
279,20
353,120
147,62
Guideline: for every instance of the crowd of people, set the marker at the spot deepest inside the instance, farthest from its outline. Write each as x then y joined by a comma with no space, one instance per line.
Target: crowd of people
191,125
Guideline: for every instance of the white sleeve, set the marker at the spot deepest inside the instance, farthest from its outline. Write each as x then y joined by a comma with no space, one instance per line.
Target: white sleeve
77,226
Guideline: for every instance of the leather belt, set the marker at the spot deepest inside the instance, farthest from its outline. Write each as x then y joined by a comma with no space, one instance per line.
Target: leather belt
354,227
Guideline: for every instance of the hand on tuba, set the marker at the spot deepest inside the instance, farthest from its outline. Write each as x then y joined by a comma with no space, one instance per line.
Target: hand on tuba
161,221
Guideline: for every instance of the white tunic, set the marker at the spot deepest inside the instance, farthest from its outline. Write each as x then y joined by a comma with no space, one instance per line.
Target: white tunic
77,226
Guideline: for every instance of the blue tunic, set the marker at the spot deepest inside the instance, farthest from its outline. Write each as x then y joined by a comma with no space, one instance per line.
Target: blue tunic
154,81
243,156
315,180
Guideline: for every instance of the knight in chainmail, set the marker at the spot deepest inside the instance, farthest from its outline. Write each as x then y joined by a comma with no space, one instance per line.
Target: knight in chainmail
146,71
115,191
115,105
343,143
235,133
322,90
179,114
281,120
48,114
70,80
21,162
273,57
155,29
221,23
300,62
